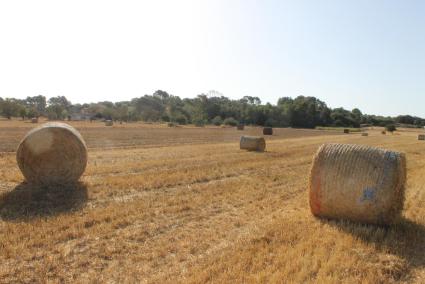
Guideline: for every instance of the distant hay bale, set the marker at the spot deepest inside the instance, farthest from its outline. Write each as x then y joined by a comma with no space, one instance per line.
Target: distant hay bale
421,137
109,123
346,131
240,127
357,183
34,120
365,134
384,132
54,153
252,143
267,131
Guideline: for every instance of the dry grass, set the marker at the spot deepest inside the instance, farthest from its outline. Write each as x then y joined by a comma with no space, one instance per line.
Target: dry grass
201,210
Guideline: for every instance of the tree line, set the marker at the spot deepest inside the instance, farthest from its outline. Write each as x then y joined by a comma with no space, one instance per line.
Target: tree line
211,108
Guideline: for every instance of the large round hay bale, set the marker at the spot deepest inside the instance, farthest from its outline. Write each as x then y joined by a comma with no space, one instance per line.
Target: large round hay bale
421,137
109,122
54,153
357,183
267,131
240,127
253,143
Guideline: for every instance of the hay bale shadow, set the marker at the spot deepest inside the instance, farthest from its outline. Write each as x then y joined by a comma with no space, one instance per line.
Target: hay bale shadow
405,239
26,201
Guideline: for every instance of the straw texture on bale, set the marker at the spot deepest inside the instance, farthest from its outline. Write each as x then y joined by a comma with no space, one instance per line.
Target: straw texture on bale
253,143
109,122
54,153
357,183
267,131
240,127
346,131
365,134
34,120
421,137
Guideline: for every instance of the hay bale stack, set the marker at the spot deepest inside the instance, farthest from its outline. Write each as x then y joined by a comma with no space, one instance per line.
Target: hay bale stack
109,123
346,131
357,183
267,131
421,137
252,143
54,153
34,120
240,127
365,134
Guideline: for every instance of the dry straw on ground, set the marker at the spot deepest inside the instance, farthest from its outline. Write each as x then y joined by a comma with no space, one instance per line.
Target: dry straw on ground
358,183
54,153
109,122
267,131
253,143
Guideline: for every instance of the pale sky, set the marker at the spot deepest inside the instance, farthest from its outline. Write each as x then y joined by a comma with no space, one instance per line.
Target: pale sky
365,54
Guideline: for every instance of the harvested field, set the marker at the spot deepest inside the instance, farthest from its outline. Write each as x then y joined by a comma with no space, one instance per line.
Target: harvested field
159,204
133,135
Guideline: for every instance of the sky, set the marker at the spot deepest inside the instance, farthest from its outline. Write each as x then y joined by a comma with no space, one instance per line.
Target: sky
364,54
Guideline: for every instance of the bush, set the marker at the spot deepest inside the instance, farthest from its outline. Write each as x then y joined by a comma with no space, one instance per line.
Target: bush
165,118
231,121
199,122
271,123
217,120
390,128
181,119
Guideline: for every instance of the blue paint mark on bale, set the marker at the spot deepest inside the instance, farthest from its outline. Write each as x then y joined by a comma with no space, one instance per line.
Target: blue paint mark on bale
368,195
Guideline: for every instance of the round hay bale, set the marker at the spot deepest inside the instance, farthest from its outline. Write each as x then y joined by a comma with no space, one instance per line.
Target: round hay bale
267,131
365,134
109,123
253,143
384,132
346,131
358,183
421,137
34,120
54,153
240,127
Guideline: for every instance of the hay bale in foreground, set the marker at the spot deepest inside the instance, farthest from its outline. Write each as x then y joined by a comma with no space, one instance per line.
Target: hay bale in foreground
267,131
240,127
253,143
357,183
54,153
421,137
346,131
365,134
109,123
34,120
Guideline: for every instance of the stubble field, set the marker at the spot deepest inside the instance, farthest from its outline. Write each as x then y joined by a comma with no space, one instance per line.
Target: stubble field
184,204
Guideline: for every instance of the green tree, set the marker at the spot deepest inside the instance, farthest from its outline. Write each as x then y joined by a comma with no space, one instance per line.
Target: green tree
231,121
217,120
